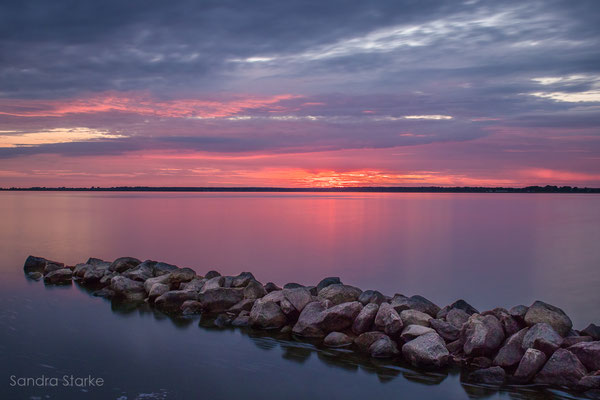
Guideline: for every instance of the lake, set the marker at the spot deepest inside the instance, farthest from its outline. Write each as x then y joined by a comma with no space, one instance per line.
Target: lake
489,249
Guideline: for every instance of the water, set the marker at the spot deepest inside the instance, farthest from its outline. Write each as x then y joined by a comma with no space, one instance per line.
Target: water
490,249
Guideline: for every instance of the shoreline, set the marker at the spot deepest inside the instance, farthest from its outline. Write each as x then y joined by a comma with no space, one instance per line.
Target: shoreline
523,345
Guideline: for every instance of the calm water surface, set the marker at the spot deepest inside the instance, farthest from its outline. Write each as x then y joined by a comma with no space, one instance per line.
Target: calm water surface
490,249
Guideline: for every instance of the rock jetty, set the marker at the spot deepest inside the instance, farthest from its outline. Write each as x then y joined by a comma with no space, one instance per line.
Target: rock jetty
525,344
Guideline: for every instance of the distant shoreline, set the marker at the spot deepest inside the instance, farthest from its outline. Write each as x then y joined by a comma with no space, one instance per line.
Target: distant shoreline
364,189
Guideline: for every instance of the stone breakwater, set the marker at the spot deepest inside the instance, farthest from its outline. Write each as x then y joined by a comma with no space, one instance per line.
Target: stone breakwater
535,344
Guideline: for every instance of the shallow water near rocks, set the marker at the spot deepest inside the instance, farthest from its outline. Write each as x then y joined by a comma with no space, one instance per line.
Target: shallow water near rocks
492,250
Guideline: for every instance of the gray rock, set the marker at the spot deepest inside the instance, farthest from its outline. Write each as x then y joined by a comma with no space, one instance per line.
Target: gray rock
242,279
414,317
142,272
457,305
36,276
298,297
241,321
542,337
254,290
59,276
148,283
512,350
571,340
267,315
81,269
213,283
511,325
191,307
161,268
388,320
271,287
533,360
195,285
220,299
555,317
157,290
171,301
419,303
97,261
446,330
127,289
413,331
519,312
482,335
223,320
339,317
427,350
489,376
338,293
332,280
244,305
365,319
457,317
364,341
211,274
308,324
122,264
562,369
275,296
289,310
52,266
371,296
384,347
337,339
94,274
588,382
180,275
38,264
588,353
292,285
592,330
481,362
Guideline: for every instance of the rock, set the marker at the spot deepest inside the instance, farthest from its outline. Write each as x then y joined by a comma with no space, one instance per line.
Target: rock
213,283
457,317
288,309
455,347
254,290
482,335
195,285
241,321
588,353
242,279
94,274
413,331
571,340
312,290
36,276
446,330
211,274
122,264
59,276
328,281
127,289
105,280
179,275
38,264
97,261
510,324
338,293
519,312
244,305
339,317
562,369
152,281
337,339
384,347
190,307
365,319
52,266
171,301
388,320
419,303
512,350
371,296
553,316
223,320
271,287
104,292
489,376
533,360
81,269
161,268
157,290
364,341
588,383
142,272
220,299
228,281
308,324
267,315
292,285
298,297
427,350
414,317
542,337
481,362
592,330
275,296
286,329
457,305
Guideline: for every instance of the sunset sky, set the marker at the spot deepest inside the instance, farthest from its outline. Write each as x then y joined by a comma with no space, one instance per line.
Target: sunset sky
299,93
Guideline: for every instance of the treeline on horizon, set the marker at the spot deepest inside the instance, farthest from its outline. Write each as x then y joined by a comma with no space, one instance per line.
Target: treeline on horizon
375,189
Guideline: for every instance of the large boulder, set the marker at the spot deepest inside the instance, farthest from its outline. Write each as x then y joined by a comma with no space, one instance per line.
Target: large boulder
122,264
588,353
161,268
427,350
562,369
266,315
309,321
220,299
511,325
371,296
457,305
254,290
482,335
533,360
542,337
80,270
339,317
52,266
511,352
157,290
148,283
419,303
212,274
413,331
388,320
457,317
127,289
364,341
171,301
244,305
337,339
592,330
519,312
490,376
271,287
414,317
298,297
94,274
365,319
38,264
332,280
59,276
178,275
142,272
384,347
242,279
446,330
571,340
338,293
213,283
555,317
195,284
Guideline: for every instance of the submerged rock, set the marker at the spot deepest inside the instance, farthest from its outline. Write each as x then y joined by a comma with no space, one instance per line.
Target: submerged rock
533,360
489,376
172,301
364,341
427,350
337,339
555,317
563,369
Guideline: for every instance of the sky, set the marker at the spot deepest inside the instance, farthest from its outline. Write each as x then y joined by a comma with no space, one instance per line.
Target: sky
299,93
